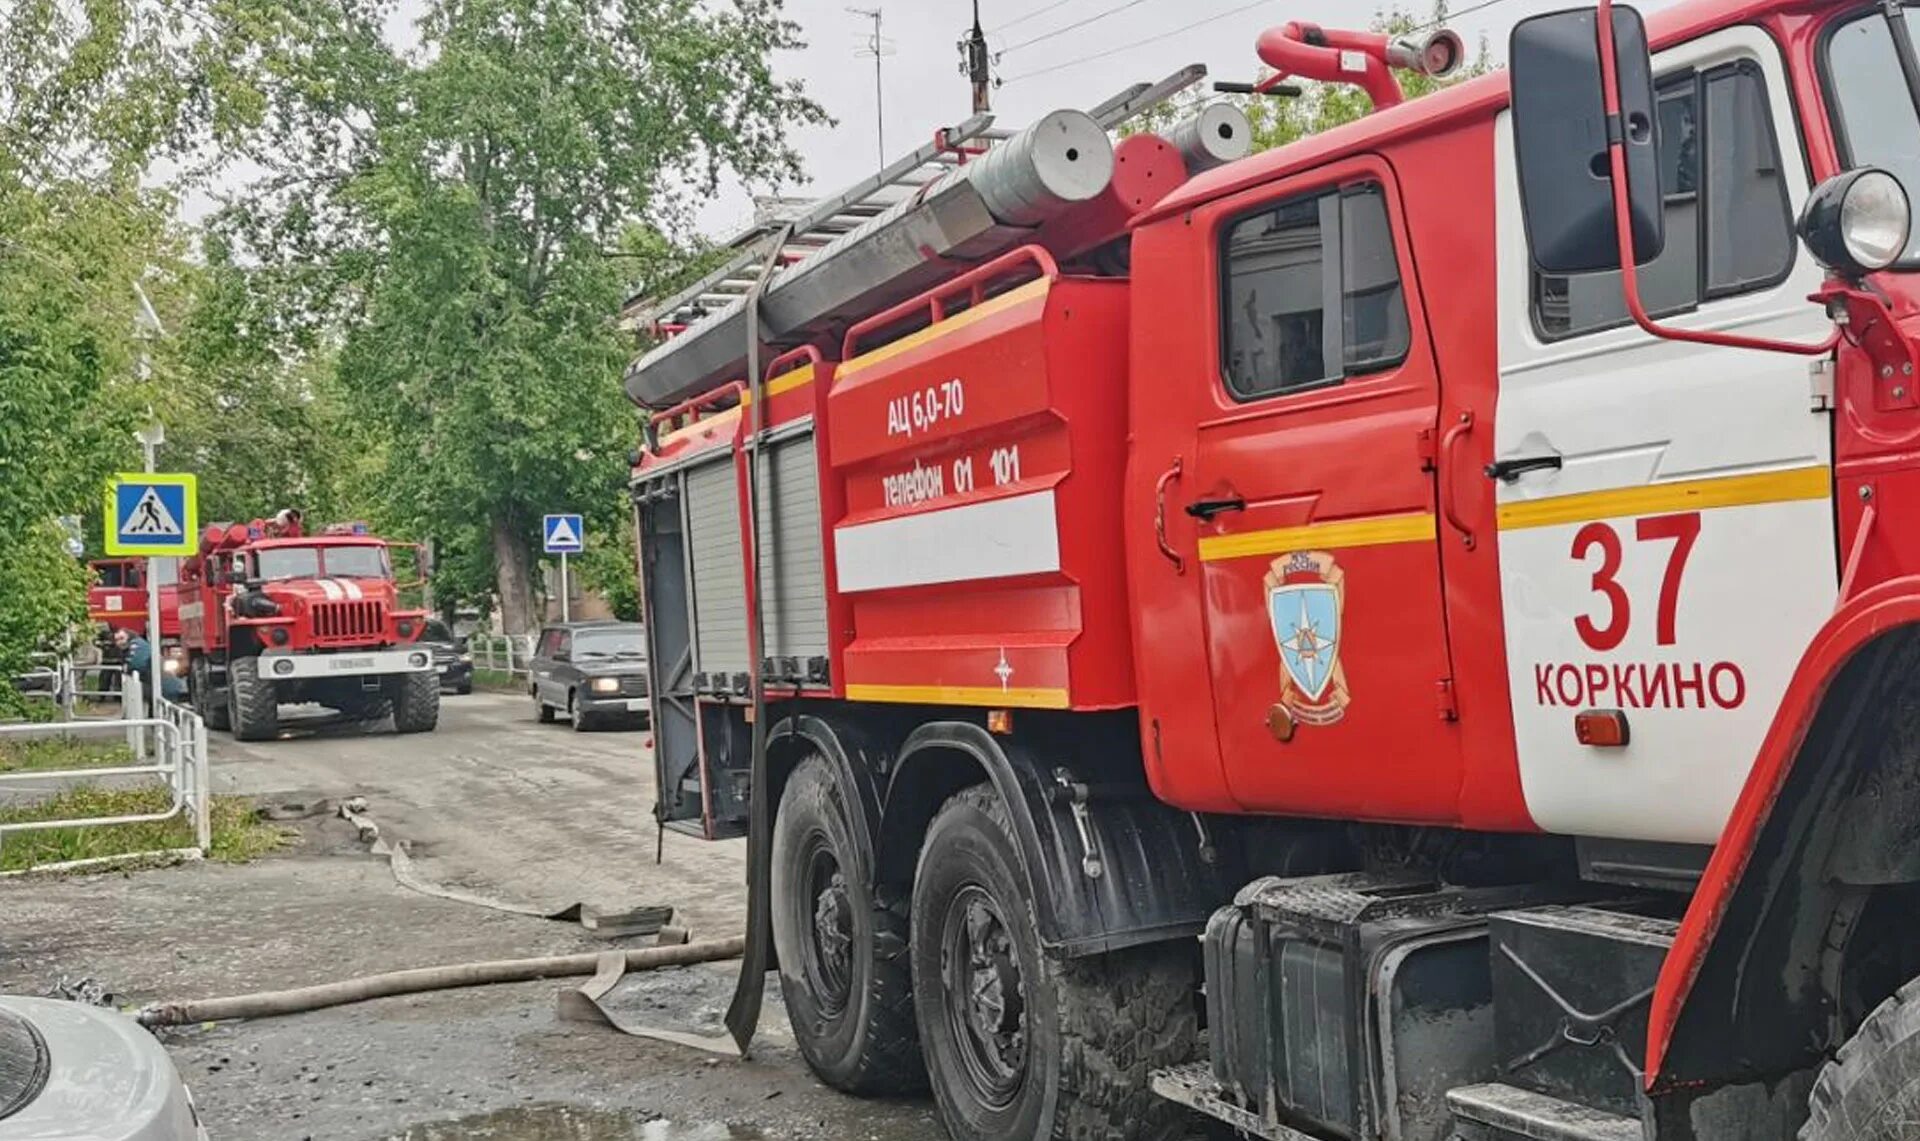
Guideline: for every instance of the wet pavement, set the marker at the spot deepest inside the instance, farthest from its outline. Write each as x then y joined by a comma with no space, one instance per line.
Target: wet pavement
494,804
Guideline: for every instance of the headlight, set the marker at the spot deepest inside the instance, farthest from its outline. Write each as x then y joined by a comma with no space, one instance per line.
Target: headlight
283,665
1857,222
606,685
173,667
419,661
466,656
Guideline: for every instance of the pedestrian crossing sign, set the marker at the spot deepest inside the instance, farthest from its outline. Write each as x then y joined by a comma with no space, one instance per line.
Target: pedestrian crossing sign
149,514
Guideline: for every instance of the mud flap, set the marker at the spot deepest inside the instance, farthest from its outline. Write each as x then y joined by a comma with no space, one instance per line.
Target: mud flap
743,1013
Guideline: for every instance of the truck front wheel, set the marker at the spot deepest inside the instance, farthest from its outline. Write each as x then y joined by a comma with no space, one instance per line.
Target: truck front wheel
1871,1091
253,707
843,959
1018,1044
416,702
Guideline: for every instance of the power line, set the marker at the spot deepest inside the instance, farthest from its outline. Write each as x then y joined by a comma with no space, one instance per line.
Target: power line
1156,38
1081,23
1467,11
1040,11
1203,21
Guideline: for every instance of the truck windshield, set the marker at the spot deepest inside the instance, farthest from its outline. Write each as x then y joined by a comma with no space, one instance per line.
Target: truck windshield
355,562
1874,116
603,644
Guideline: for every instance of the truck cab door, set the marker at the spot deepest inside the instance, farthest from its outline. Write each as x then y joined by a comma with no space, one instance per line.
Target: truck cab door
1310,505
1665,511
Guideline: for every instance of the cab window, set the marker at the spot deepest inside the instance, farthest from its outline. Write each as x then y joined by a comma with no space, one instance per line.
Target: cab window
1311,294
1729,228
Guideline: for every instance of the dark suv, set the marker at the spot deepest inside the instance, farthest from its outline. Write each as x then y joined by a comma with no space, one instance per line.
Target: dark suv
591,672
450,656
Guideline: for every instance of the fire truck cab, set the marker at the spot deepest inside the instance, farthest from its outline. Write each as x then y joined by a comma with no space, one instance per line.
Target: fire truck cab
1335,654
275,616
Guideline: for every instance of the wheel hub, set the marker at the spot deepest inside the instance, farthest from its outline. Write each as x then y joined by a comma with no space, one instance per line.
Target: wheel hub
830,956
986,996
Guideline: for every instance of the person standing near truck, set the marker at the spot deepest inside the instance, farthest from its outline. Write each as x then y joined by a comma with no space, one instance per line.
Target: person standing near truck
138,657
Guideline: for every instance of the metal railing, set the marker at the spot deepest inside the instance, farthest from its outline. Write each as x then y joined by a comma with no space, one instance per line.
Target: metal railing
178,757
501,653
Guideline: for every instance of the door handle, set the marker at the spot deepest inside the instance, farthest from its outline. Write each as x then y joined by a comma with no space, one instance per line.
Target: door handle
1160,517
1207,508
1508,471
1448,470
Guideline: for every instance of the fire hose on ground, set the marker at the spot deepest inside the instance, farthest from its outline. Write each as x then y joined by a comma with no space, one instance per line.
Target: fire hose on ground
267,1004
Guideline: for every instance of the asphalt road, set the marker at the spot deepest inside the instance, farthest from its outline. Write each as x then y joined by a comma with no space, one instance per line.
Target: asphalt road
492,803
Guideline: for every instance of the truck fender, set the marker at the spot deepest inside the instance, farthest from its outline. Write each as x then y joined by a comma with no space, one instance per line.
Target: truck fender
795,737
1108,866
1754,960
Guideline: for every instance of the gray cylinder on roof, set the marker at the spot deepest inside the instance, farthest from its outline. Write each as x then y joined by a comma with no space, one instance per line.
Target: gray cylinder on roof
974,211
1217,135
1064,158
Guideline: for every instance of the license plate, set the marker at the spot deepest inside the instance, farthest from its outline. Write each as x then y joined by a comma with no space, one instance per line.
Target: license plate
342,665
637,705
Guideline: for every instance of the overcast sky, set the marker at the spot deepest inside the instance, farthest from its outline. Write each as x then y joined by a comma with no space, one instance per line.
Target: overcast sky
1135,39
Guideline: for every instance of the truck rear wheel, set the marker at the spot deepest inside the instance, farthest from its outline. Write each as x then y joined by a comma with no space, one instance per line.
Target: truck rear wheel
844,971
416,702
253,707
1017,1044
1871,1091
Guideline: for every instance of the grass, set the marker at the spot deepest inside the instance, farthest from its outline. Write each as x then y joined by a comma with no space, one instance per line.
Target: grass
239,834
45,753
499,679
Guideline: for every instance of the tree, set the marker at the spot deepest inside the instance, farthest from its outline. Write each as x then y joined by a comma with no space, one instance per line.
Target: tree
89,96
476,201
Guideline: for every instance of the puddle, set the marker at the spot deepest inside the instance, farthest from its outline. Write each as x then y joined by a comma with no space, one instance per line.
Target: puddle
571,1123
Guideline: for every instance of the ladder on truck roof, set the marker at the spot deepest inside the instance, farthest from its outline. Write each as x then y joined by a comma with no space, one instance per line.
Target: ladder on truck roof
828,218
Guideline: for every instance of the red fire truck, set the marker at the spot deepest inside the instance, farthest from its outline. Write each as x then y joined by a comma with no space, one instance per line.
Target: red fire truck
274,616
1332,652
117,600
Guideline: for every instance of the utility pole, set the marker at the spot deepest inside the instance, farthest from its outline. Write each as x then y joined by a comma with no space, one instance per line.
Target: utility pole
976,63
147,327
877,47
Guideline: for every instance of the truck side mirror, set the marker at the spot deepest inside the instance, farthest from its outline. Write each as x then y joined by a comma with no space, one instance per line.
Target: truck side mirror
1560,133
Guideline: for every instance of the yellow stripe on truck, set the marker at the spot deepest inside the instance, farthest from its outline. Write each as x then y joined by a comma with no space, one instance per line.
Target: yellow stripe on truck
1665,498
989,695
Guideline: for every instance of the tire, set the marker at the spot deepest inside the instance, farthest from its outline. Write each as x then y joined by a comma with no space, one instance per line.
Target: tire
542,710
416,702
366,707
577,717
845,972
208,701
1075,1041
253,706
464,689
1871,1090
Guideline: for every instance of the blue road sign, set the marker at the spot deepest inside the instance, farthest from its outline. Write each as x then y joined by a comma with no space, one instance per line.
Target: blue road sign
565,535
151,514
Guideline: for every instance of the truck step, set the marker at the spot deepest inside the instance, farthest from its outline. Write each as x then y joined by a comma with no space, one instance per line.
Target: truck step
1571,991
1497,1112
1193,1086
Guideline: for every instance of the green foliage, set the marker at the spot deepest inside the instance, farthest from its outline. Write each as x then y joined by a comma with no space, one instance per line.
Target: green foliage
238,833
480,215
608,568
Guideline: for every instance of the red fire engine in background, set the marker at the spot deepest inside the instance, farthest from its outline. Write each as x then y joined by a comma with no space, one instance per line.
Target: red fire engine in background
117,600
273,616
1303,637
